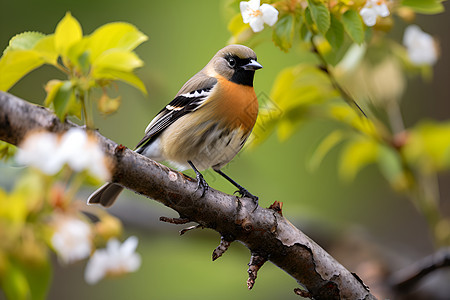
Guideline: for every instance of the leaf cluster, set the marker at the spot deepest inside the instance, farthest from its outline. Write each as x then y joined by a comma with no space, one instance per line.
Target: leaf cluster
357,64
354,61
92,61
28,219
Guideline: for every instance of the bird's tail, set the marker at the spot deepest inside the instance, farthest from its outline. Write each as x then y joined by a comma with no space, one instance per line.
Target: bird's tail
105,195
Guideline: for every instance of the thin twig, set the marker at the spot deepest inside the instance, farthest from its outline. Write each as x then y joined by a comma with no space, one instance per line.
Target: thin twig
408,277
325,68
256,262
221,249
174,220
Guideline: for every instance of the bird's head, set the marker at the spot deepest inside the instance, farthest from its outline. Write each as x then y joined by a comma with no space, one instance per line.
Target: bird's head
236,63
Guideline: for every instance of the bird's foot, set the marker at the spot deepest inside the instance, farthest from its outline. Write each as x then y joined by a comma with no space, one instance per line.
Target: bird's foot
201,184
244,193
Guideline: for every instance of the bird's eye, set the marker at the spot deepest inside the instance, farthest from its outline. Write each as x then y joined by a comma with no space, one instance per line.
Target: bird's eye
231,62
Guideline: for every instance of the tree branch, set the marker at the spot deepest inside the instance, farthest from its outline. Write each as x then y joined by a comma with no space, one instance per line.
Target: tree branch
408,277
265,232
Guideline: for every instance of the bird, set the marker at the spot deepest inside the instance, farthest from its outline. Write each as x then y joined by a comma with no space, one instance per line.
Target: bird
206,124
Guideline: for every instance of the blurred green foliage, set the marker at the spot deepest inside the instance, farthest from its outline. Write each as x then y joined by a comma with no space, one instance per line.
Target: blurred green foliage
318,131
88,62
372,75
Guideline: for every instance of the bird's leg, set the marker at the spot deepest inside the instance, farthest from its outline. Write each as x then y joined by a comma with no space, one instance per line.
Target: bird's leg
241,189
201,182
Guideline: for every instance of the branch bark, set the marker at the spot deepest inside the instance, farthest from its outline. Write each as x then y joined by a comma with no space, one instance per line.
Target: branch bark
409,276
265,232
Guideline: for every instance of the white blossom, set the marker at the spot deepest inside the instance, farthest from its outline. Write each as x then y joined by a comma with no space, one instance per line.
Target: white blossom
115,259
372,9
82,153
49,152
38,151
420,45
71,239
256,15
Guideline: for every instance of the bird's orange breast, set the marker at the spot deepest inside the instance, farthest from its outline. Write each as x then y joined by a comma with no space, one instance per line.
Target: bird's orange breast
235,105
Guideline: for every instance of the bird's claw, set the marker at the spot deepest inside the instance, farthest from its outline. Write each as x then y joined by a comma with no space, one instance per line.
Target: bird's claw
244,193
201,183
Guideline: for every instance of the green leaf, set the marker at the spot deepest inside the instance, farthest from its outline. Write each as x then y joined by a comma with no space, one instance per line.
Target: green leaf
353,26
52,87
428,146
118,65
15,284
55,92
14,210
236,25
29,192
268,116
24,41
335,35
39,279
424,6
283,32
286,128
308,18
74,108
356,155
127,77
305,35
83,62
337,55
390,164
24,281
352,116
67,33
239,30
302,85
296,92
46,49
63,92
6,150
325,146
342,54
120,60
16,64
320,15
119,35
79,56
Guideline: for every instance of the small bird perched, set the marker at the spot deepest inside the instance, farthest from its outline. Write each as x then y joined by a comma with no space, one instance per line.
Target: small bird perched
207,122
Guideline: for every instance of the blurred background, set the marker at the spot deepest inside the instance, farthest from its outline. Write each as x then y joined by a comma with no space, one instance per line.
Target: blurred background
359,220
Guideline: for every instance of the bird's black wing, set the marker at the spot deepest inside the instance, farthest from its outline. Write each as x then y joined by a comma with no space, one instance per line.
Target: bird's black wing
183,104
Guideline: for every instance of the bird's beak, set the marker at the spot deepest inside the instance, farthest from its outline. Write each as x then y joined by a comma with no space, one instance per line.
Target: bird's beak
252,65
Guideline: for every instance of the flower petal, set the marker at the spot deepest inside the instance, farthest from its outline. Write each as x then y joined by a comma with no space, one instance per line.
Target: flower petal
411,32
254,4
113,245
129,246
382,10
420,46
116,259
269,14
369,16
245,12
72,149
257,24
72,239
39,150
134,262
96,267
